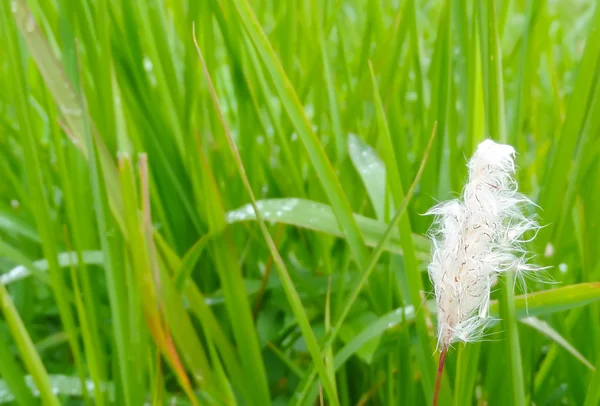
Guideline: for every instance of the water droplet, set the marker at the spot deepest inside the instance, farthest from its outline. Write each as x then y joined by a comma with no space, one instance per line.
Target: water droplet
148,64
260,140
563,267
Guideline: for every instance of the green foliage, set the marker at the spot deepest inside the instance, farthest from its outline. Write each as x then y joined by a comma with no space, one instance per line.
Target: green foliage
242,223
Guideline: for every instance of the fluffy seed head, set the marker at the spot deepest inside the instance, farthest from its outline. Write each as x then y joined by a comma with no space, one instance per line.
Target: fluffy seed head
475,238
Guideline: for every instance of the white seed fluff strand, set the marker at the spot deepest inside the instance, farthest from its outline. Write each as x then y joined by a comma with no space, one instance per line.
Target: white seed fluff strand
475,238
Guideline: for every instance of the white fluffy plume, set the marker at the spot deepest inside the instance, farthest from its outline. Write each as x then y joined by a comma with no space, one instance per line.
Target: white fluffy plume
475,238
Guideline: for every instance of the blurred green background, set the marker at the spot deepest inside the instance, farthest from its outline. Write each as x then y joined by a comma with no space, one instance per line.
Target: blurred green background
135,270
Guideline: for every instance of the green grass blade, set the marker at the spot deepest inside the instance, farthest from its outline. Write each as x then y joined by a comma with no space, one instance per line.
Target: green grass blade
559,161
319,217
13,375
497,122
65,259
334,111
29,355
42,207
372,172
466,373
544,328
540,303
411,265
288,285
304,390
128,293
497,131
317,155
593,394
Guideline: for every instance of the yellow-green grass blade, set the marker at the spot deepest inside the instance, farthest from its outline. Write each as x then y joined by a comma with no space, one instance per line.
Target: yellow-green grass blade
13,375
27,350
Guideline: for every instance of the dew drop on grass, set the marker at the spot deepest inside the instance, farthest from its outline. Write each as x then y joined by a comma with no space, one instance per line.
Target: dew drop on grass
148,66
13,6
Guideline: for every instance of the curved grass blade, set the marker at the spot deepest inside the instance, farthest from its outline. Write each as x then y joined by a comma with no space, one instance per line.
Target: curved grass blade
319,217
68,386
29,355
372,172
547,330
65,259
16,256
14,377
63,385
12,224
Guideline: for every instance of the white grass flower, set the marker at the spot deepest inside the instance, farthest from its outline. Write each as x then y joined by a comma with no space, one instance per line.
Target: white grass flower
476,238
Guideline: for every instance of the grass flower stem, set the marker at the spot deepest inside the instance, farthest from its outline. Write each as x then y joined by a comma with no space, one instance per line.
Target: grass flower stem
438,379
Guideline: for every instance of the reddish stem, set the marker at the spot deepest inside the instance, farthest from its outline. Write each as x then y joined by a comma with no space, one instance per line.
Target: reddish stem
438,379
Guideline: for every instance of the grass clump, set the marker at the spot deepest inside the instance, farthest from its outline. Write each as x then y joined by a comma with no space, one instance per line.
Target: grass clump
149,194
